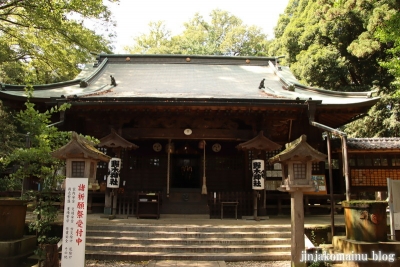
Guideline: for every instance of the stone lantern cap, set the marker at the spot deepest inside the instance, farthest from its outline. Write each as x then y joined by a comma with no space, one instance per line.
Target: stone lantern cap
301,154
79,147
114,140
259,143
298,150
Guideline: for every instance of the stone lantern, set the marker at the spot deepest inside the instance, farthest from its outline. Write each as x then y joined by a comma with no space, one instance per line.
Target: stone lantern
81,158
296,161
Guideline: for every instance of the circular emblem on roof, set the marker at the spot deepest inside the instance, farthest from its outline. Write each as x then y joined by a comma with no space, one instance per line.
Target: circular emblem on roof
187,131
157,147
188,59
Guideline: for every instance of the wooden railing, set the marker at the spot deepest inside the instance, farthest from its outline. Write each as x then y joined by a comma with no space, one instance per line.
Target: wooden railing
127,203
275,203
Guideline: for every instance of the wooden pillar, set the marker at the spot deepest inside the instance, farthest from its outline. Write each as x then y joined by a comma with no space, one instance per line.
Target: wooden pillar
297,223
346,167
307,207
255,196
204,186
328,143
168,165
280,206
114,201
107,202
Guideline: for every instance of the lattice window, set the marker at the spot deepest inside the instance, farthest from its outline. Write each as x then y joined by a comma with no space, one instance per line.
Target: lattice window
268,155
315,166
372,177
250,158
133,162
335,163
225,163
101,164
396,161
299,170
155,162
78,169
368,161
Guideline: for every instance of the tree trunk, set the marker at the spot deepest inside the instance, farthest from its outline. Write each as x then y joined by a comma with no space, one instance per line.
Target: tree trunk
51,256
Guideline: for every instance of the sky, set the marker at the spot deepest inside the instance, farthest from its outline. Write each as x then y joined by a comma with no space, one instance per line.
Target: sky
132,17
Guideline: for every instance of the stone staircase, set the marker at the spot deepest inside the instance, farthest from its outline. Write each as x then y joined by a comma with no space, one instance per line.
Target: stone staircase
141,242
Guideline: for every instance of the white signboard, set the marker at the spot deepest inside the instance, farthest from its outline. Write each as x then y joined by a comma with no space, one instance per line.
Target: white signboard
396,220
257,167
114,167
74,229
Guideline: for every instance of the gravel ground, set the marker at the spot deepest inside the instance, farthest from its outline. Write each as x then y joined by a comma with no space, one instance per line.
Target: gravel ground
93,263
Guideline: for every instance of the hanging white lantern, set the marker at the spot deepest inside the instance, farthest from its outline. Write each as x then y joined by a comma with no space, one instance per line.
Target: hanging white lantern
114,167
257,167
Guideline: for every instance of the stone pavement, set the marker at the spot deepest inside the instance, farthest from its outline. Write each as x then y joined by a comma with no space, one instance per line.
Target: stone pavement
186,264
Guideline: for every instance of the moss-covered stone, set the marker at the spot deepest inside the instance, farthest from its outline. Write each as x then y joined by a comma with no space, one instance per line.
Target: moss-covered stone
365,220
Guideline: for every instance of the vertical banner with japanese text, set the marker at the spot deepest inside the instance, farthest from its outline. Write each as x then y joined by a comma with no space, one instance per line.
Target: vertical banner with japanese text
257,167
114,167
74,226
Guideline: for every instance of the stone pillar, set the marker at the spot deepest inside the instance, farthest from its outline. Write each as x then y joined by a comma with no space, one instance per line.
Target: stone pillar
297,222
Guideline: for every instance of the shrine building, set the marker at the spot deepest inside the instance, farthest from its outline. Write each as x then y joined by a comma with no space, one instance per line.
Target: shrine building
179,124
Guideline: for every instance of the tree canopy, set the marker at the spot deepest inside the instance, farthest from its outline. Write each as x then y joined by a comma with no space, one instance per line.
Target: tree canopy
43,41
346,45
223,34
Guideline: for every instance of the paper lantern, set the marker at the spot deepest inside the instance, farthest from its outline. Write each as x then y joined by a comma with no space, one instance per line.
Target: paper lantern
257,167
114,167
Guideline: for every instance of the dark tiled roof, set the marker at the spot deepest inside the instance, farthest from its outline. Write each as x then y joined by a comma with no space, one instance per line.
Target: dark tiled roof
385,143
187,77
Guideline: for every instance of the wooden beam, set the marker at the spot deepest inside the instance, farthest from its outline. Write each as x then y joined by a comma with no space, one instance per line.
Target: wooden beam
160,133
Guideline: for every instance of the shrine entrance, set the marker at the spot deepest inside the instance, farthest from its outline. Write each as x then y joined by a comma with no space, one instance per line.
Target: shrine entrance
186,171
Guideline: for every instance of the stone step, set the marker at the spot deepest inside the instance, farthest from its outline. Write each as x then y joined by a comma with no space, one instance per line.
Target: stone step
191,228
185,235
172,248
139,256
188,241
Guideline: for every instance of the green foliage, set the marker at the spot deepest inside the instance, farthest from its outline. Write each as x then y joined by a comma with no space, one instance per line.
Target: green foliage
347,45
44,41
34,160
46,214
389,34
9,139
9,184
383,119
224,34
